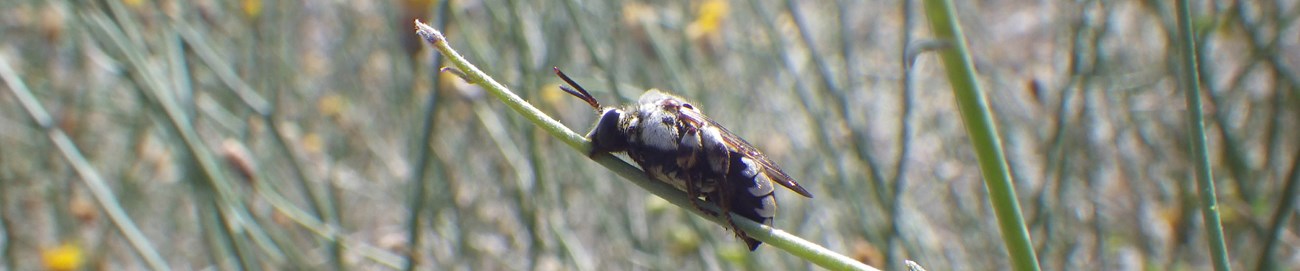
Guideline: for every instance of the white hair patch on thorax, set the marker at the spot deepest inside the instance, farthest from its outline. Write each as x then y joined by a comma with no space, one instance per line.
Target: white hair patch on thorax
658,128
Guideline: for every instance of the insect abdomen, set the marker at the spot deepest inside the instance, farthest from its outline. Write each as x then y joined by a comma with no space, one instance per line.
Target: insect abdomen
749,193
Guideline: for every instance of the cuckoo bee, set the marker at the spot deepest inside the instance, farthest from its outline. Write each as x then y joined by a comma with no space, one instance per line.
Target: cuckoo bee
674,142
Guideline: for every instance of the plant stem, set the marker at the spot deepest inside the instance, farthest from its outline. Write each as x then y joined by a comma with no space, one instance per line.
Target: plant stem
1200,149
983,133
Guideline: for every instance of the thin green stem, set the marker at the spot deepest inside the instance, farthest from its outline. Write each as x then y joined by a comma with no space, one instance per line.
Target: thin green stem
978,117
1190,78
775,237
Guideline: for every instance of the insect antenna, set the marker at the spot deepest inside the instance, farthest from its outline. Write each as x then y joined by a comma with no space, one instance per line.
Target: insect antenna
580,92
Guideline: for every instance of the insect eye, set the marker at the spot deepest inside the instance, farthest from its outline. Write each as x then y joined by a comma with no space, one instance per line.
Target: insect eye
688,106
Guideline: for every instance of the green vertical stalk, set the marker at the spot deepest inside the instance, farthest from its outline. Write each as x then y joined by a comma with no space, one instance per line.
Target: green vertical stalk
1190,78
978,118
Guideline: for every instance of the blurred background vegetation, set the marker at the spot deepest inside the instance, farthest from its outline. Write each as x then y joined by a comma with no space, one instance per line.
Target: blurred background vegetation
273,134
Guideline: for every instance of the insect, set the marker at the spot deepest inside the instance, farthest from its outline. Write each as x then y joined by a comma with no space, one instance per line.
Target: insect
674,142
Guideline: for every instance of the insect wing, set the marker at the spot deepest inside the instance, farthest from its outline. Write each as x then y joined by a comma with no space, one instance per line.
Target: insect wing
740,145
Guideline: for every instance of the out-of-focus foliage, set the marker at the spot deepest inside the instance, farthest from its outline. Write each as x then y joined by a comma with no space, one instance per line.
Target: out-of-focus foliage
313,110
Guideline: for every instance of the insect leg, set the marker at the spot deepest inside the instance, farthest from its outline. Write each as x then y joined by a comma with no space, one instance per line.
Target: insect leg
726,196
693,182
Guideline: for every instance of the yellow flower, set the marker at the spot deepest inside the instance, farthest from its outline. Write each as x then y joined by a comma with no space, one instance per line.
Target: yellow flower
63,257
313,143
252,8
332,105
708,20
552,95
